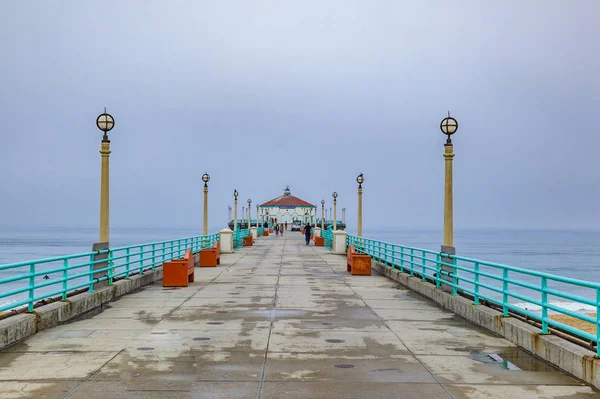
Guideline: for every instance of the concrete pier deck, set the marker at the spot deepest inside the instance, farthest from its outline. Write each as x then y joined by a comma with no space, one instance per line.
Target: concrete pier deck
277,320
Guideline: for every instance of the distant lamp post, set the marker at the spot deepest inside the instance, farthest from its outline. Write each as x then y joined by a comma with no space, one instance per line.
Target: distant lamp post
306,216
256,216
205,179
360,180
322,214
448,126
249,211
344,216
228,214
105,123
334,195
235,195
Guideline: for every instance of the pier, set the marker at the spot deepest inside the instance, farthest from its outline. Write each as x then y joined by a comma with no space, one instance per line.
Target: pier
277,319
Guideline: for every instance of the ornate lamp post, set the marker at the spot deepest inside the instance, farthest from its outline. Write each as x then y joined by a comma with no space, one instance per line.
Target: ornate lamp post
257,216
322,214
249,212
105,123
334,195
448,126
235,195
360,180
205,179
344,215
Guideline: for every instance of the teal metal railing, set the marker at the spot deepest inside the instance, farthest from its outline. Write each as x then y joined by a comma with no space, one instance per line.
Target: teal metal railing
327,235
29,282
533,294
238,237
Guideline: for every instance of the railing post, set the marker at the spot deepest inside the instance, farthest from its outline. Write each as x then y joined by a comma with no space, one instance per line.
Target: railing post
178,248
476,288
141,259
111,267
393,264
438,270
127,263
31,287
504,292
454,278
424,265
65,279
91,274
402,259
164,245
412,260
153,256
544,306
598,321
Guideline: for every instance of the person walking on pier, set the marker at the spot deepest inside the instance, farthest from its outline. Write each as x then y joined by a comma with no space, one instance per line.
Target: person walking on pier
307,232
281,228
276,229
286,225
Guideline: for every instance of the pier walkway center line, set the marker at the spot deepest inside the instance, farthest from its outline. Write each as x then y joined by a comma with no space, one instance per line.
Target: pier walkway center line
277,320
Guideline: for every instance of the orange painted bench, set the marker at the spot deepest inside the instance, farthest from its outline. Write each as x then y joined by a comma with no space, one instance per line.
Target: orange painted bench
210,257
248,241
358,264
179,272
266,232
319,241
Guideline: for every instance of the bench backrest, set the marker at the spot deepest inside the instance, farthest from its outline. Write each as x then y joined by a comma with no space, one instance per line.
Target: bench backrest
189,258
351,251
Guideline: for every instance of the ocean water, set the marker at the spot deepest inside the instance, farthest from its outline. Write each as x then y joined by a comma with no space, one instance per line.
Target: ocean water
574,254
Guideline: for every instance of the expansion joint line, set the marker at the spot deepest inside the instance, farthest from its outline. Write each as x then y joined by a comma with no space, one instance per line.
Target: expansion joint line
271,324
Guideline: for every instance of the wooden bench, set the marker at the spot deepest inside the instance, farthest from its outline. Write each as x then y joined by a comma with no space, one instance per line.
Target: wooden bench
248,241
358,264
210,257
319,241
179,272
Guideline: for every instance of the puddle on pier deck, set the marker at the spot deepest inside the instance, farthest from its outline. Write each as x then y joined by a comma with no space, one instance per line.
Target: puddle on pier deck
514,359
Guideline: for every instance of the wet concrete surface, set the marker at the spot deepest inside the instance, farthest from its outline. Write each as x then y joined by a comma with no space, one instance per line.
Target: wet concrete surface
277,320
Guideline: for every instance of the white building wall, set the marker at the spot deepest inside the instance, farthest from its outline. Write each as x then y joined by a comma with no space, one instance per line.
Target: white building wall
287,214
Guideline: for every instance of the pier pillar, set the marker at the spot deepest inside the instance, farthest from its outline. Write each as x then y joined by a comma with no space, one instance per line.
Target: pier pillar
317,232
254,232
226,241
339,242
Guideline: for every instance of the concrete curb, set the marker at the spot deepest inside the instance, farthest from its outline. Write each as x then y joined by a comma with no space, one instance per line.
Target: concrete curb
567,356
16,328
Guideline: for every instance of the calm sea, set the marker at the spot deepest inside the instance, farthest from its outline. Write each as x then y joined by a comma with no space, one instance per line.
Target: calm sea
573,254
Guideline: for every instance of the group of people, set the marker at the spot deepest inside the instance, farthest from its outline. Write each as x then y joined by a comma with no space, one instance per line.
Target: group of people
278,227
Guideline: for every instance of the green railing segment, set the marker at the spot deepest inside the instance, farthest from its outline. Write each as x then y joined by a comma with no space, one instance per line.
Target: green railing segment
32,281
327,235
532,294
238,237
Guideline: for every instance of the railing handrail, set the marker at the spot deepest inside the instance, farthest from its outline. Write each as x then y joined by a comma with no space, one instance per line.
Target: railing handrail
444,269
120,261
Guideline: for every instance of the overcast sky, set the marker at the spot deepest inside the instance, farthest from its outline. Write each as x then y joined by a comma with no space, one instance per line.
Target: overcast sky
262,94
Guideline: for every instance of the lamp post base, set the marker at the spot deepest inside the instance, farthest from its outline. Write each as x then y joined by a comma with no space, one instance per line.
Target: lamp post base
99,246
449,271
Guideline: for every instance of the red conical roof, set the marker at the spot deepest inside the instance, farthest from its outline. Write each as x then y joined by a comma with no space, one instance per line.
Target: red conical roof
287,199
